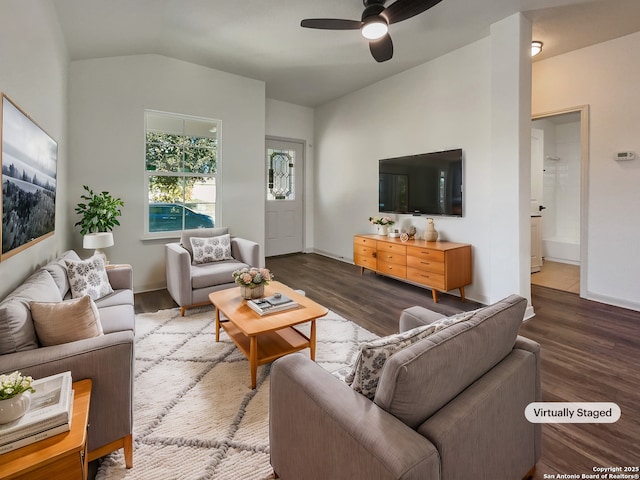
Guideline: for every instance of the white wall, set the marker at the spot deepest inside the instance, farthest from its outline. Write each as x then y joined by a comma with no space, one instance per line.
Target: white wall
294,122
107,99
33,74
443,104
590,77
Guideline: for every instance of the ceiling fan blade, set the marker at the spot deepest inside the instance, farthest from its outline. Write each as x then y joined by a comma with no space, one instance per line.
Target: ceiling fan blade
331,24
404,9
382,49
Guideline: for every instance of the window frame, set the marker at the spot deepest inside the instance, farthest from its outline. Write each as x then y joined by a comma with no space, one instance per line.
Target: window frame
172,234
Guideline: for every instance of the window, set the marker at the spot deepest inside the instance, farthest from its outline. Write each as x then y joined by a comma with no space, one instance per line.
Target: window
181,165
281,180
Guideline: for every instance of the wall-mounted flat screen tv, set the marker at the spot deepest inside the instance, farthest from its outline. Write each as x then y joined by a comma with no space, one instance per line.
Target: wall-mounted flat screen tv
425,184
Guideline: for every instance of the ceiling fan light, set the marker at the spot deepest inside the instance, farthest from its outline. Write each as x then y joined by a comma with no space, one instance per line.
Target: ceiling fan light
374,28
536,48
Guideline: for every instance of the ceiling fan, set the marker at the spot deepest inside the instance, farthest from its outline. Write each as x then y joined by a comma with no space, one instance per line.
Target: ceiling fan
375,21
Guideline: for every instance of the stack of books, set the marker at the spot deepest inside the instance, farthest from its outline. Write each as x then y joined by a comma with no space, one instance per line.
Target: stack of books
272,304
49,414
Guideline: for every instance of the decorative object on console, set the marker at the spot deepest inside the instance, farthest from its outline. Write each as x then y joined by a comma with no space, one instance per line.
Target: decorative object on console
99,215
382,224
430,234
252,281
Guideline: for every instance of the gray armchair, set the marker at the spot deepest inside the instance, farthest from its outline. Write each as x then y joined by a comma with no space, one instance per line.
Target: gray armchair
190,284
448,407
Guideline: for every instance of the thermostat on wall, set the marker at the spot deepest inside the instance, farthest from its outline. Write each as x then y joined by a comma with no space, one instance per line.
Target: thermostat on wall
621,156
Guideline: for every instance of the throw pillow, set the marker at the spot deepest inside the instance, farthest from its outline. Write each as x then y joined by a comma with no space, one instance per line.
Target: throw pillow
211,249
88,277
16,325
66,321
367,368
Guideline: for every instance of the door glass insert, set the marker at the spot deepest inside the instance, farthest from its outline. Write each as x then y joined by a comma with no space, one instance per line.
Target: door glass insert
281,171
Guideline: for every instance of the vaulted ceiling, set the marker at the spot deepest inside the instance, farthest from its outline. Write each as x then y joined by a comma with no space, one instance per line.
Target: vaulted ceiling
263,39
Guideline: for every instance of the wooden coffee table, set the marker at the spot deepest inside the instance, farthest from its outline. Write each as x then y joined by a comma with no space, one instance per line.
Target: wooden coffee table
262,339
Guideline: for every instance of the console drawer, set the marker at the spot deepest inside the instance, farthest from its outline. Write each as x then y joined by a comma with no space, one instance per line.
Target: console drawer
390,257
430,279
359,249
426,264
392,269
368,242
391,248
365,261
426,253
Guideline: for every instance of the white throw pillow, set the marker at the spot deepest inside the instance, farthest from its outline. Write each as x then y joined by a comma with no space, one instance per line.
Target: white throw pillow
88,277
67,321
367,367
211,249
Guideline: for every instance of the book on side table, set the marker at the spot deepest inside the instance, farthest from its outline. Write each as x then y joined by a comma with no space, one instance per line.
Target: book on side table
49,414
271,304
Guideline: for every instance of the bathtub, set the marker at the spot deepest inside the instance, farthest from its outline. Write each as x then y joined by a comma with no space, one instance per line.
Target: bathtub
563,250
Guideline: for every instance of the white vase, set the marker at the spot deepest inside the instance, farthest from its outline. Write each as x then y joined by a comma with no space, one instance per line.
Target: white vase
383,230
15,407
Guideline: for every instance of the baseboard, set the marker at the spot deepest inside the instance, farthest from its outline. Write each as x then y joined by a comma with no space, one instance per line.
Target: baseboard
616,302
528,313
331,255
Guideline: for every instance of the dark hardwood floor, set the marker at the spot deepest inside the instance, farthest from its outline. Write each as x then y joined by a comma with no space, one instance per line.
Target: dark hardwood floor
590,351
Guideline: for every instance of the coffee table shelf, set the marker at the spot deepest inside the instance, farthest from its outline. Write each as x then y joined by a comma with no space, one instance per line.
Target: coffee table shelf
271,345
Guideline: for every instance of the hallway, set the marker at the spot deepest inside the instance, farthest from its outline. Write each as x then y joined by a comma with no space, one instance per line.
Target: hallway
560,276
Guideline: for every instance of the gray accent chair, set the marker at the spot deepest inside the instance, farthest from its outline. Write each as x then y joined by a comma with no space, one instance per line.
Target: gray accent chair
190,285
448,407
108,360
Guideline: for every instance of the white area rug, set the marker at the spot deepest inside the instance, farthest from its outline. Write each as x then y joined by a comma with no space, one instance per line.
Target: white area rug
195,416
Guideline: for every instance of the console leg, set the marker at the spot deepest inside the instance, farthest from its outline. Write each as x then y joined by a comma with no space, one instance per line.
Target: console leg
434,294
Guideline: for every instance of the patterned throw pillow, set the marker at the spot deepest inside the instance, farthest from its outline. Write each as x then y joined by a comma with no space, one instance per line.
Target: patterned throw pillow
88,277
367,368
211,249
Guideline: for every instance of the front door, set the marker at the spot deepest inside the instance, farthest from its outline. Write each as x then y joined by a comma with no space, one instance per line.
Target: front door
285,183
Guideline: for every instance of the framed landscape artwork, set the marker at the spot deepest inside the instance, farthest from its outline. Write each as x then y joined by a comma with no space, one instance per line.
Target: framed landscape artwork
29,160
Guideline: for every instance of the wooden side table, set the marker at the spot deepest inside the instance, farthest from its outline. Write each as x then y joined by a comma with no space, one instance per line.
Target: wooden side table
61,457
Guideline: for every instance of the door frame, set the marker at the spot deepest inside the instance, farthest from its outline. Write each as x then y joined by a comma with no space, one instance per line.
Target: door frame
583,110
303,143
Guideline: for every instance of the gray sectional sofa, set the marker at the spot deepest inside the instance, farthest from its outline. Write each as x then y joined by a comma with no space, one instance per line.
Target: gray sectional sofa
447,407
108,359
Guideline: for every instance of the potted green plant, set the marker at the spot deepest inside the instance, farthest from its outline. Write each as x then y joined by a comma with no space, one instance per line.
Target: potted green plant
99,215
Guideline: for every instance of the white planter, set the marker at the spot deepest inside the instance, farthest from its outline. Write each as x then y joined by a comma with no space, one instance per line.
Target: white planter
15,407
382,229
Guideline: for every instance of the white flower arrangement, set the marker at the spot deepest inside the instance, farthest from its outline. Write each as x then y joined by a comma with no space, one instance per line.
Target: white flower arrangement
14,384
